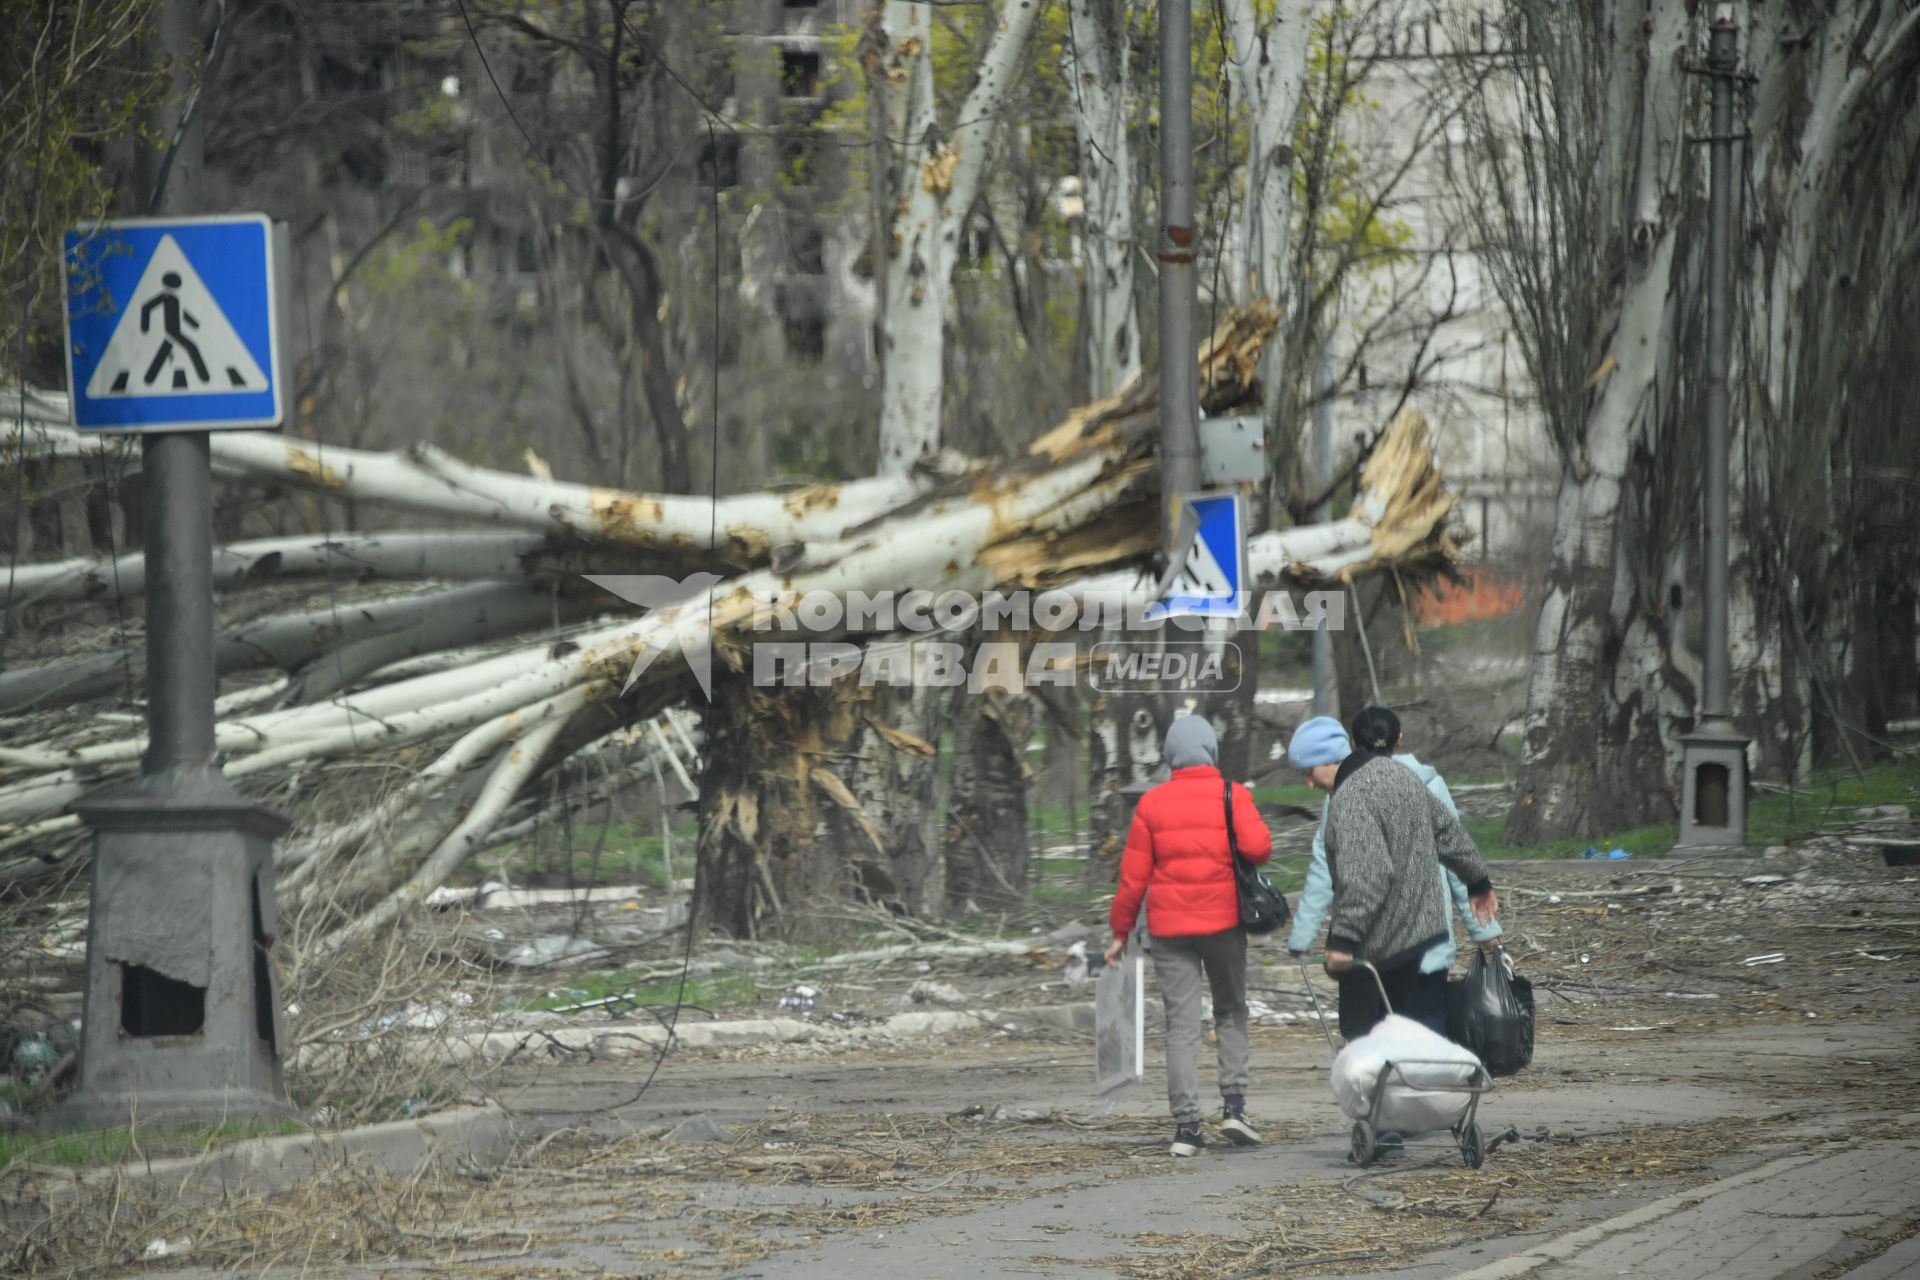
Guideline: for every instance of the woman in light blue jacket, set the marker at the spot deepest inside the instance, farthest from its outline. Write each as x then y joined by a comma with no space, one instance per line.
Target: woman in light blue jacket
1378,729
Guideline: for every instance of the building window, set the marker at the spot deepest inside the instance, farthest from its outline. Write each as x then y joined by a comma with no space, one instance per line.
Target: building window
799,73
803,322
806,246
719,164
806,338
799,154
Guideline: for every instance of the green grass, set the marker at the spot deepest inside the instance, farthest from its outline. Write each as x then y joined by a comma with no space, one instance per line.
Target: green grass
1778,819
1288,872
1510,634
1054,819
1289,793
715,992
1641,842
110,1146
1771,819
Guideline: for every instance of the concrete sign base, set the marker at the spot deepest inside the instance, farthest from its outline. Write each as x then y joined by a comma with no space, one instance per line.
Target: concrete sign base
182,1015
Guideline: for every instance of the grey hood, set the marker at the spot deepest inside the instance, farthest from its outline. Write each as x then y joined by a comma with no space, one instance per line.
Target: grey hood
1191,741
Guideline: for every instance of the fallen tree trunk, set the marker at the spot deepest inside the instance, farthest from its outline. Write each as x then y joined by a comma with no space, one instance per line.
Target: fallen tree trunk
448,554
409,625
1077,513
742,532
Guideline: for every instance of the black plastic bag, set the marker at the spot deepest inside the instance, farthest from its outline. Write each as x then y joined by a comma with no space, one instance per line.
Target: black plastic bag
1491,1013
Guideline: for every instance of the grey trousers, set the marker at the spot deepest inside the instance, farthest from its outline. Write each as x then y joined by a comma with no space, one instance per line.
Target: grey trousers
1178,963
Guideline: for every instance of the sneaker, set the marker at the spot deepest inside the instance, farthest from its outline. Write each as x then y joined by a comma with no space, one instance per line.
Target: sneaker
1187,1141
1240,1132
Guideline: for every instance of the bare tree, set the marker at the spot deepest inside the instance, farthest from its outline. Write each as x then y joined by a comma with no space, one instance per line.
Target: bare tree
1585,189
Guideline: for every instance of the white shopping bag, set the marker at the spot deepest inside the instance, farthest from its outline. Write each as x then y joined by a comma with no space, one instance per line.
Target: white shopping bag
1120,1024
1436,1072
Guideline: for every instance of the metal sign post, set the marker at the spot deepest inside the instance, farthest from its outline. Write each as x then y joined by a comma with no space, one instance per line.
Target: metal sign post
1179,371
174,329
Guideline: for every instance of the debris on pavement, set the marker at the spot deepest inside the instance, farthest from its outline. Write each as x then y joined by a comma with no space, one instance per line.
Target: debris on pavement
697,1129
933,991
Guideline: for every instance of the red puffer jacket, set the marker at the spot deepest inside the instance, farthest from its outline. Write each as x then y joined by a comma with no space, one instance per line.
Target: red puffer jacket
1177,849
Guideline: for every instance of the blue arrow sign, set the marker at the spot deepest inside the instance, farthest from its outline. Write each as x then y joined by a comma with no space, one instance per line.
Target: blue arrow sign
174,324
1213,580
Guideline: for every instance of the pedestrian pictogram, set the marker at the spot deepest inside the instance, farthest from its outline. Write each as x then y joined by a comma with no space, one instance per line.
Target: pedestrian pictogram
1211,577
174,339
174,325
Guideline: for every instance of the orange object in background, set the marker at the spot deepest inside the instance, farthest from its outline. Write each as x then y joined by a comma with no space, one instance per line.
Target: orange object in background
1482,595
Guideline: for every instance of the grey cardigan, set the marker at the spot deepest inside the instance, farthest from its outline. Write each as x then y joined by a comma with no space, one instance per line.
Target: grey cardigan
1385,834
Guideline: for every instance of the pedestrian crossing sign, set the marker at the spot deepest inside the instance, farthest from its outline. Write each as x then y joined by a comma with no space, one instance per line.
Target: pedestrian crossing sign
176,324
1212,577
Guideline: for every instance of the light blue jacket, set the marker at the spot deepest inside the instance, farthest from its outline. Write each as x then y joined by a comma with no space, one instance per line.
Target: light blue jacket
1317,897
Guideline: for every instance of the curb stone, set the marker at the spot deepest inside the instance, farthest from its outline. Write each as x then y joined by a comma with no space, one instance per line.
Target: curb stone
1562,1248
471,1136
633,1039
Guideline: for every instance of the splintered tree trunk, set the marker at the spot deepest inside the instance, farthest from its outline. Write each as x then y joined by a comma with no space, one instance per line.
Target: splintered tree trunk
988,859
779,831
895,777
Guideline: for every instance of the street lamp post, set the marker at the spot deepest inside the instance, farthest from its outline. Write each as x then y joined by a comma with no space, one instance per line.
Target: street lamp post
1713,805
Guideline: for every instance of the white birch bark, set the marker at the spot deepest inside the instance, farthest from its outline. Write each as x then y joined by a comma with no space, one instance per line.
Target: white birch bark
517,763
1099,82
1592,715
1268,65
1058,515
427,480
1828,73
994,538
296,642
936,175
453,554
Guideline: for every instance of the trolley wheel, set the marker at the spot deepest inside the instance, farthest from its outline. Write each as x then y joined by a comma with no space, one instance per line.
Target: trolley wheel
1363,1145
1473,1151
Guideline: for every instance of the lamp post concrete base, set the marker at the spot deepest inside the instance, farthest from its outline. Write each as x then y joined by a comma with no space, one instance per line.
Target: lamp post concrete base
182,1019
1713,795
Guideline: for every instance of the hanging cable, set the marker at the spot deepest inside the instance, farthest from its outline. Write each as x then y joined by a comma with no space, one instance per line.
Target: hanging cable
216,47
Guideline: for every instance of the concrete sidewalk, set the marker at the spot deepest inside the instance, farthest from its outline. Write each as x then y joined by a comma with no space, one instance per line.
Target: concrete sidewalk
1851,1212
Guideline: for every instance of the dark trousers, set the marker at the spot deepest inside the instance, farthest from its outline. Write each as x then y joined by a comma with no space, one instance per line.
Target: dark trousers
1413,994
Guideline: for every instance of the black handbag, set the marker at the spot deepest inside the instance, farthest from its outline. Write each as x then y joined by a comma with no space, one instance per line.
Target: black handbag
1263,908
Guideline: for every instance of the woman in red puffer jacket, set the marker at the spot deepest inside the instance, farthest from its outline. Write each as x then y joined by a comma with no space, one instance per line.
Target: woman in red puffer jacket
1177,856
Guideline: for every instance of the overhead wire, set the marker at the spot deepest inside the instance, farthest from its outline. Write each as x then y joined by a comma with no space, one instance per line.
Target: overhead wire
216,49
714,121
713,531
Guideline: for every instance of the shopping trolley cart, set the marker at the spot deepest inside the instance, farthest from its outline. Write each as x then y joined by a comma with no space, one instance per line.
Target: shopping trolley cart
1413,1095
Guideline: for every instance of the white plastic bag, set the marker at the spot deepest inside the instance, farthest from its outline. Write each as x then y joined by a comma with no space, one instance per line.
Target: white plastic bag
1435,1071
